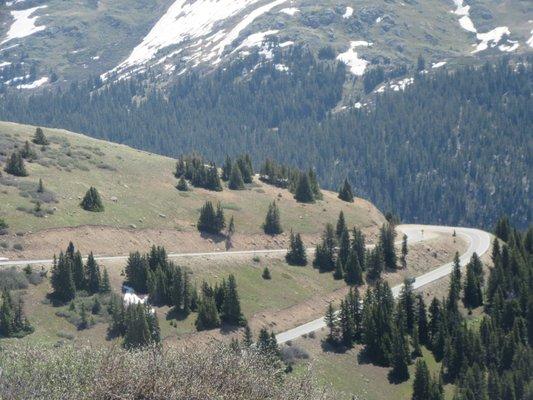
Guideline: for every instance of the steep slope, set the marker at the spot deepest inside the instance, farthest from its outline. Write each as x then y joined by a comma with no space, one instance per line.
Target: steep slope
54,39
142,205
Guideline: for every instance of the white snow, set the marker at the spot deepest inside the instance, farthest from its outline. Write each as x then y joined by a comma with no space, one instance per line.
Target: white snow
379,19
530,40
438,64
35,84
350,58
281,67
23,24
286,44
196,22
401,85
348,13
509,48
357,105
255,39
290,11
464,11
491,38
4,64
132,298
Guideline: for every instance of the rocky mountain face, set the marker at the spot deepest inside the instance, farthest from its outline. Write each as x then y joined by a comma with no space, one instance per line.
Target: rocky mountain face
49,42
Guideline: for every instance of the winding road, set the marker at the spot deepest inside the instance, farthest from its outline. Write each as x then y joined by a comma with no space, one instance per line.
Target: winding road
478,240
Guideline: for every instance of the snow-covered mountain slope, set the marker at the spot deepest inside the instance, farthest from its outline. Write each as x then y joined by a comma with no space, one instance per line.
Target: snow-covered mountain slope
44,41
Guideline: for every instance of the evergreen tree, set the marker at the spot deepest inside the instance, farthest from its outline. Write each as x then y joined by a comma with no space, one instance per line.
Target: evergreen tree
15,165
7,317
105,286
375,264
406,302
92,271
417,350
346,324
331,322
211,221
325,251
405,251
315,188
422,382
40,186
39,137
78,271
341,225
96,307
137,330
236,181
400,357
473,296
354,272
84,319
182,185
344,246
345,192
231,309
296,254
386,241
207,314
248,337
227,169
245,165
304,191
272,225
92,201
338,274
27,152
455,284
358,246
62,280
266,274
422,321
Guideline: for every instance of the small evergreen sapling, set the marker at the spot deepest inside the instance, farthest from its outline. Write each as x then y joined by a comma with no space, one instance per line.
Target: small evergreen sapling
297,253
345,192
272,225
92,201
266,274
15,165
39,137
182,185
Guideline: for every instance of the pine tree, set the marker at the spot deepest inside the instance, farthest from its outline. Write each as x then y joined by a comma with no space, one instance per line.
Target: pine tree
39,137
226,169
325,251
386,240
422,321
345,192
27,152
341,225
315,188
406,302
211,221
231,308
84,319
296,254
272,225
137,330
182,185
266,274
92,272
473,296
207,314
105,286
338,274
245,165
15,165
304,192
400,357
331,322
346,323
62,280
417,350
248,337
236,181
375,264
344,246
92,201
7,328
78,272
405,251
358,246
421,384
40,186
455,284
354,272
96,307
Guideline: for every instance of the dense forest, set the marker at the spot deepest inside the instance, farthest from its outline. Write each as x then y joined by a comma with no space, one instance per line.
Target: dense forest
454,147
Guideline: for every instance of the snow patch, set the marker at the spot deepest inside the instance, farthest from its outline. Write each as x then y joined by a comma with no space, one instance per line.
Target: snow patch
281,67
351,58
348,13
196,22
23,24
401,85
464,11
438,64
35,84
286,44
255,39
530,40
509,48
4,64
491,38
290,11
379,19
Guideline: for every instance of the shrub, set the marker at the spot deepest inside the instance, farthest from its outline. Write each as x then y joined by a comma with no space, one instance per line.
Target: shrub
12,279
92,201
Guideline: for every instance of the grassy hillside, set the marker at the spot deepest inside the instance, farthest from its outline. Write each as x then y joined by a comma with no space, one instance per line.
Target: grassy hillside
139,195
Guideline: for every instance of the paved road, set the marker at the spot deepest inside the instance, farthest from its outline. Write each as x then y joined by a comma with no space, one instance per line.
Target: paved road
479,242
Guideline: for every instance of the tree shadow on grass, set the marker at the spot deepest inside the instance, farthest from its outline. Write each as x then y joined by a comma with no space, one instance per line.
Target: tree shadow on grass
176,314
213,237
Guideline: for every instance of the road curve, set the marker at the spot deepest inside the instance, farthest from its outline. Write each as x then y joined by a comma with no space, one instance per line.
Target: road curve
478,240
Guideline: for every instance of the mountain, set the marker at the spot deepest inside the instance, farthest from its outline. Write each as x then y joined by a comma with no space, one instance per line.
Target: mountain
52,41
